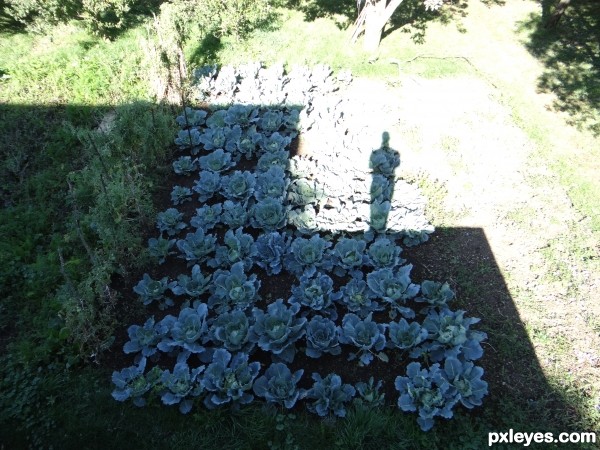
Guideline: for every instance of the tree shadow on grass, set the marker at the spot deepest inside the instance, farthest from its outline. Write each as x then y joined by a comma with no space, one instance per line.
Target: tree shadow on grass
570,52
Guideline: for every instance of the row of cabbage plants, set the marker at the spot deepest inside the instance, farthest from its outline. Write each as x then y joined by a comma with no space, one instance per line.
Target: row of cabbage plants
353,297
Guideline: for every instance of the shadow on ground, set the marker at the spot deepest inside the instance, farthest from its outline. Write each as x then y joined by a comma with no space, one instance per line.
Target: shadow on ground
520,397
570,52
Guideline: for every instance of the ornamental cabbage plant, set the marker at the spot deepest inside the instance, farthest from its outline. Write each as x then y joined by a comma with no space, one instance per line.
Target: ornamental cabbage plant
193,286
207,217
278,329
434,294
279,385
426,392
268,160
383,253
233,289
189,138
404,336
180,194
132,383
365,334
465,381
232,331
234,214
189,332
306,255
384,161
322,337
450,336
269,214
170,221
151,290
393,287
161,248
207,185
270,250
184,382
271,183
370,393
316,294
239,247
196,247
185,165
242,115
274,143
191,117
143,338
358,297
238,186
248,142
348,256
216,161
229,380
271,121
330,395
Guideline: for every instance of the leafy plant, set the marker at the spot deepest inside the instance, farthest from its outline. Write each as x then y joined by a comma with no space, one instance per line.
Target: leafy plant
248,142
348,255
222,137
189,138
394,287
405,336
216,161
268,214
271,121
231,330
143,338
270,251
370,394
189,332
271,159
242,115
207,185
239,247
229,380
450,336
197,246
153,291
274,143
234,214
384,161
322,337
194,285
383,253
238,186
271,183
359,298
365,334
380,212
132,383
185,165
207,217
465,380
278,329
380,188
426,392
306,255
233,289
180,194
279,385
161,248
329,395
435,294
316,293
191,117
182,383
170,221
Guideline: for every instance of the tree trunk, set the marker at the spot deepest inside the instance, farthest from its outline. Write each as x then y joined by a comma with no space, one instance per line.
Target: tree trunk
557,14
377,15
